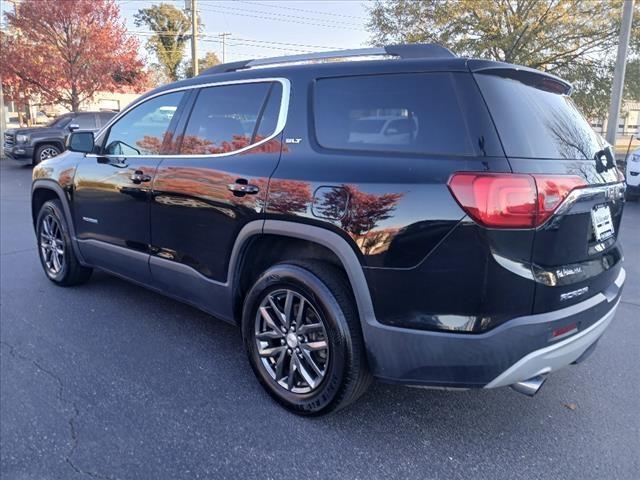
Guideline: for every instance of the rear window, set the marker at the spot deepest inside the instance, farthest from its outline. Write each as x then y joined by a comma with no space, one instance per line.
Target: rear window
414,113
536,123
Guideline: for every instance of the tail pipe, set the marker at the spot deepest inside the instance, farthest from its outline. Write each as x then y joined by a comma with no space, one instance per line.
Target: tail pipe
531,386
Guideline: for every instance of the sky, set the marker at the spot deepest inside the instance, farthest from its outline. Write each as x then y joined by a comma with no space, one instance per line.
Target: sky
264,28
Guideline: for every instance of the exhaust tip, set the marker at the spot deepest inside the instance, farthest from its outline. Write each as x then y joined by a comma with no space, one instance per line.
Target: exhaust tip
531,386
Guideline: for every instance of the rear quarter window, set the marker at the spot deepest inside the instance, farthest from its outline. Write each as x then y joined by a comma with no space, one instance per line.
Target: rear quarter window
420,113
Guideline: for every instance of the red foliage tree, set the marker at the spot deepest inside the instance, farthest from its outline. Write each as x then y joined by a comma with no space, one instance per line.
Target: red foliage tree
68,51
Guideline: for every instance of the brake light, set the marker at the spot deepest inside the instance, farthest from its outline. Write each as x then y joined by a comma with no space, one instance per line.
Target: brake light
507,200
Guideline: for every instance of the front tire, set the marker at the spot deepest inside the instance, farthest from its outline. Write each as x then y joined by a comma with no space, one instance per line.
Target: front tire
302,334
44,152
56,253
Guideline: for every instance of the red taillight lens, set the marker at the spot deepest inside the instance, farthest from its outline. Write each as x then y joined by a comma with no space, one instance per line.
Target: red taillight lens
506,200
552,190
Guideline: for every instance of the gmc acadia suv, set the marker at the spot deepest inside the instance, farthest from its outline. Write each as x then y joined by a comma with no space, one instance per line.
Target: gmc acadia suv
424,219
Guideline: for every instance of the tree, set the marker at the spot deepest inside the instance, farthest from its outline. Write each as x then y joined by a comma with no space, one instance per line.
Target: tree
67,51
574,39
360,212
208,61
172,32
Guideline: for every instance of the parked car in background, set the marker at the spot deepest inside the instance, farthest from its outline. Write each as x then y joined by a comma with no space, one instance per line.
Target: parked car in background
383,129
469,242
633,174
35,144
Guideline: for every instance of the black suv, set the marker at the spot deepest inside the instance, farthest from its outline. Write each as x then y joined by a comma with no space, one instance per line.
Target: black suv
36,144
427,219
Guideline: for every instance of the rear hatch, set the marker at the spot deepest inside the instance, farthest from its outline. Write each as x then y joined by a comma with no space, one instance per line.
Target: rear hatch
576,253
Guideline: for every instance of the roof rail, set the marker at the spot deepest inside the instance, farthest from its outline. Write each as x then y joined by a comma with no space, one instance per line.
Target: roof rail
414,50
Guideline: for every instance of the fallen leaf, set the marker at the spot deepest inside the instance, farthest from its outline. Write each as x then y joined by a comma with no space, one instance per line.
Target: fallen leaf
570,406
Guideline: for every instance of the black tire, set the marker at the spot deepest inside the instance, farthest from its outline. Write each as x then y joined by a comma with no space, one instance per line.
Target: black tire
324,286
47,150
631,198
70,272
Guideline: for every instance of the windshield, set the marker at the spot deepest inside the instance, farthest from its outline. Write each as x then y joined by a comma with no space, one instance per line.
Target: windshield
60,121
536,123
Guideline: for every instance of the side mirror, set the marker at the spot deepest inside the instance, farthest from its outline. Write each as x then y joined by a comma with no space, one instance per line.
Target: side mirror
74,126
80,142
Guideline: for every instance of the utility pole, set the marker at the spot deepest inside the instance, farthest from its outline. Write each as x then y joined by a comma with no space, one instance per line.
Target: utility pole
224,35
194,38
2,121
618,75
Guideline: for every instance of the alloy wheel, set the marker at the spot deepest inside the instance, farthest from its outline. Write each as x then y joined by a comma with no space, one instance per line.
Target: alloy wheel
292,341
48,152
52,245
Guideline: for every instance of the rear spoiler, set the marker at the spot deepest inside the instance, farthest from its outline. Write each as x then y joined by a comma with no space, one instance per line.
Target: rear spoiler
529,76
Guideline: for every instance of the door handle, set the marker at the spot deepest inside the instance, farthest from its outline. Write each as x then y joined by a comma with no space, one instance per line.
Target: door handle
139,176
241,188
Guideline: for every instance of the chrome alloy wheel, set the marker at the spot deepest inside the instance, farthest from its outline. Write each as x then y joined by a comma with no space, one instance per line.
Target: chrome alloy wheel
52,245
292,341
48,152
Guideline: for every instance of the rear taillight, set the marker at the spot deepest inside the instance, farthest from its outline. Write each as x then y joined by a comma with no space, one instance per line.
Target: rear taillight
507,200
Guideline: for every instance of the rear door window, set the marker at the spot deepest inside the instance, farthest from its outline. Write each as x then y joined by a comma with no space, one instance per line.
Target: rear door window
414,113
85,122
228,118
534,122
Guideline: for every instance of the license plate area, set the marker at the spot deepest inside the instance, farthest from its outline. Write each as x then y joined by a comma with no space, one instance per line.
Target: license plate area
602,223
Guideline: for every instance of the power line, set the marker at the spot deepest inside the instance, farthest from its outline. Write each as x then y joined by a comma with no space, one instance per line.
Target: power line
304,10
231,44
287,43
278,18
286,15
250,42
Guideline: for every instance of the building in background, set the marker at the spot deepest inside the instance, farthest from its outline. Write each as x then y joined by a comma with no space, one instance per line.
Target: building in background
628,128
40,114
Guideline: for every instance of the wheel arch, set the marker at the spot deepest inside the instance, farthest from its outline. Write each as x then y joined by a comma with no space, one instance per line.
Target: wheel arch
43,190
51,141
320,239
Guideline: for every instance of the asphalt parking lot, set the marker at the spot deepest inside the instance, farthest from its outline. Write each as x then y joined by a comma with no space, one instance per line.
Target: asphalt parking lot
109,380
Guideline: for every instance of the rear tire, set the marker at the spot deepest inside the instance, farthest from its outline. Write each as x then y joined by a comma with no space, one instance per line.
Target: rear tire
56,252
292,364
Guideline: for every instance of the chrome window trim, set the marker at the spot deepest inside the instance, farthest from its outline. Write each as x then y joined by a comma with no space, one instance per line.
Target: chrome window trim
282,117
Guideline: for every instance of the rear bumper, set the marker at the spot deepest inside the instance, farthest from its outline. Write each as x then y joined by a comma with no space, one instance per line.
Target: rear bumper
512,352
554,357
